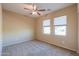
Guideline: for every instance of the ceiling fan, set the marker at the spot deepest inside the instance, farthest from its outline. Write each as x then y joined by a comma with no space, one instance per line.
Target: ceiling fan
35,10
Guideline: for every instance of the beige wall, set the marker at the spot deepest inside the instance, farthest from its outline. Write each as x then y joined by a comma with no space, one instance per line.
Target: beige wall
78,28
0,29
70,40
16,28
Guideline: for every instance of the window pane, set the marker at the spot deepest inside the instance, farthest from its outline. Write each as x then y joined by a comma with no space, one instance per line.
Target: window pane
60,20
60,30
46,30
46,23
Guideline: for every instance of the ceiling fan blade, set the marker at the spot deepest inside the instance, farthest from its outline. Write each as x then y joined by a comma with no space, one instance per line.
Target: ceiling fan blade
27,9
31,13
41,10
38,13
34,6
44,10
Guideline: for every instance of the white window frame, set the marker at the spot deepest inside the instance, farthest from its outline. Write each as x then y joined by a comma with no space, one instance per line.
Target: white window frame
61,26
46,26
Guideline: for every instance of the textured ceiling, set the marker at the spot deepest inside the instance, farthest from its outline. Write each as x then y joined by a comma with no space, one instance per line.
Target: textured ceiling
19,7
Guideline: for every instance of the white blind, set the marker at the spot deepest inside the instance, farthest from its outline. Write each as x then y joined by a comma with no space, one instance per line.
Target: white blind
60,20
46,22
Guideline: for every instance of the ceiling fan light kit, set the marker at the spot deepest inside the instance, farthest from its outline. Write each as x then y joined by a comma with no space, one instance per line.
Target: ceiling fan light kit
34,13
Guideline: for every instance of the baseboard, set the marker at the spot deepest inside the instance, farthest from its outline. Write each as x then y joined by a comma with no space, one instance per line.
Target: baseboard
14,42
0,48
56,45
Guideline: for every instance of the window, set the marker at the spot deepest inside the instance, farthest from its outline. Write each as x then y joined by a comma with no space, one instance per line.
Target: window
60,25
46,26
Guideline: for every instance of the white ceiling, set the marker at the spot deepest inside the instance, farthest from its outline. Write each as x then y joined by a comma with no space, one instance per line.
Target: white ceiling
19,7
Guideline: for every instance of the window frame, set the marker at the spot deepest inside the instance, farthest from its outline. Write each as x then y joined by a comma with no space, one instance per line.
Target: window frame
43,26
61,26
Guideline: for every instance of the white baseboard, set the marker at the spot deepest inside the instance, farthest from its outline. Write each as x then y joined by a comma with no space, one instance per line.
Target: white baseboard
14,42
0,48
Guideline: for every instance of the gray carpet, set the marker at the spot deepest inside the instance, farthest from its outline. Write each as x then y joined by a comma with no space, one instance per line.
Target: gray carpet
35,48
